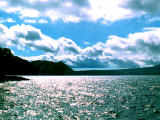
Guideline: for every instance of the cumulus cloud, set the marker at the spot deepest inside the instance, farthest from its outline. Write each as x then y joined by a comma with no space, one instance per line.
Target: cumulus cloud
3,31
125,63
95,50
147,6
30,21
136,50
138,47
9,20
26,35
42,21
68,10
2,20
89,62
86,43
78,10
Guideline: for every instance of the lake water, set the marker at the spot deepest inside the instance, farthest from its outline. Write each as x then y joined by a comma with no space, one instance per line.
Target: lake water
81,98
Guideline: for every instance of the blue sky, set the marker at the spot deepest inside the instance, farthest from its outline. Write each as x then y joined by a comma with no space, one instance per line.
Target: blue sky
84,34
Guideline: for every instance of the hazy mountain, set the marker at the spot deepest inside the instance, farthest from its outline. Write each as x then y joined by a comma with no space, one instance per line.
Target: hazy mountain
138,71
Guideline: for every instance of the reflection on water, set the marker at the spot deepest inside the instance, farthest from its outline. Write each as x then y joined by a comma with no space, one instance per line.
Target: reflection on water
5,104
82,97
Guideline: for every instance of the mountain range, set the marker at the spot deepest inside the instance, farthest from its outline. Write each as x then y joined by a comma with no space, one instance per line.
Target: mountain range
14,65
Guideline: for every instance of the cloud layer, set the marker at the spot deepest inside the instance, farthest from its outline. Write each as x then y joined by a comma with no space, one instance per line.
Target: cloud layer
137,50
147,6
77,10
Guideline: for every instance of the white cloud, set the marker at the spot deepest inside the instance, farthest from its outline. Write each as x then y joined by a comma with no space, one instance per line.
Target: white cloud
42,21
86,43
77,10
3,31
148,6
3,4
29,21
109,11
2,20
138,47
154,19
28,36
71,18
29,13
47,56
137,50
9,20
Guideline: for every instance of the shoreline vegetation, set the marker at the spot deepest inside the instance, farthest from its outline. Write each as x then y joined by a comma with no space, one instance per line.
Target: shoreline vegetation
11,65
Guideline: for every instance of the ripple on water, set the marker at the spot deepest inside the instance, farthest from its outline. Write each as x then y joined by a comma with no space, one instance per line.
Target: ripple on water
82,97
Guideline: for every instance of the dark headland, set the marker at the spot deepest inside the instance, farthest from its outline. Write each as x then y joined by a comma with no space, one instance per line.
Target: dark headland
11,65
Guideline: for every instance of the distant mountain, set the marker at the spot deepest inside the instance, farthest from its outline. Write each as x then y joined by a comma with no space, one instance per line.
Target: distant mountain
13,65
51,68
138,71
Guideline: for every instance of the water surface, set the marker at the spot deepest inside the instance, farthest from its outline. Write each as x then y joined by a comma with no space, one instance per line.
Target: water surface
81,98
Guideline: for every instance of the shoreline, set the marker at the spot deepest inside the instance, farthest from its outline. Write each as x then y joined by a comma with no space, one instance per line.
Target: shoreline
12,78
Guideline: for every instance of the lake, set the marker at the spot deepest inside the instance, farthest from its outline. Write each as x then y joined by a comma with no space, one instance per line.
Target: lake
81,98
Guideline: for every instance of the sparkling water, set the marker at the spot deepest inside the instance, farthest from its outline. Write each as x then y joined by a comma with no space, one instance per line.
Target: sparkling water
81,98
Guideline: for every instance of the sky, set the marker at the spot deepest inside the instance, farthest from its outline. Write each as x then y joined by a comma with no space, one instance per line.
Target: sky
84,34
